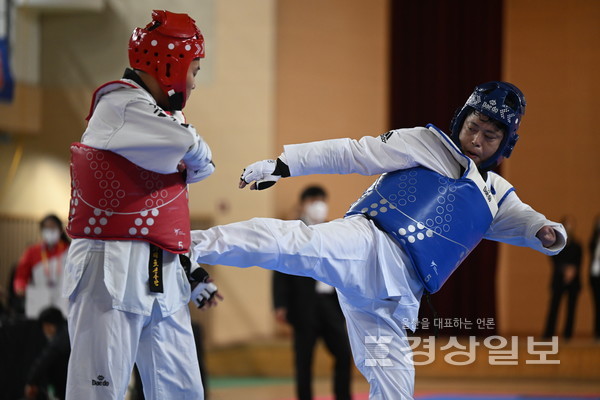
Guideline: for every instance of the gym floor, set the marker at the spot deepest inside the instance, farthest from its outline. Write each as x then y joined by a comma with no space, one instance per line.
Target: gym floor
425,388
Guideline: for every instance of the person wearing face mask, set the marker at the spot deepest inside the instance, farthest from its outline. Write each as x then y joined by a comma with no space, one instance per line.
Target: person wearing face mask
39,273
312,309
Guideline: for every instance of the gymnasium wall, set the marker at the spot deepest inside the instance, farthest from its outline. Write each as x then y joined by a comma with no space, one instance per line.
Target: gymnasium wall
551,52
549,49
292,71
332,82
232,108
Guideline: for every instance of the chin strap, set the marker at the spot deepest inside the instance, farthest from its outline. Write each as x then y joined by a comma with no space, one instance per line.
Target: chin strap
176,100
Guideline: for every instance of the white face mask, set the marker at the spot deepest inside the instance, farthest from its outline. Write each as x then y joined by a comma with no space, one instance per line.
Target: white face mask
315,212
50,236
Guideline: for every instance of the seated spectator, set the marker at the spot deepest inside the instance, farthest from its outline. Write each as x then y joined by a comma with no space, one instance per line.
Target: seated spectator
48,373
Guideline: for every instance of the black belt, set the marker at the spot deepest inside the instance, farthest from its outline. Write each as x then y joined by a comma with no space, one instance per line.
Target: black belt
155,269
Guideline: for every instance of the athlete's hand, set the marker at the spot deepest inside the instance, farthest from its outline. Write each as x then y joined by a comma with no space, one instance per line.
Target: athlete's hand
195,175
204,292
547,236
263,174
198,162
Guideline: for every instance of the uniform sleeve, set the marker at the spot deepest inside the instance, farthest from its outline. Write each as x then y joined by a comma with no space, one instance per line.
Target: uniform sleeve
394,150
367,156
517,223
144,134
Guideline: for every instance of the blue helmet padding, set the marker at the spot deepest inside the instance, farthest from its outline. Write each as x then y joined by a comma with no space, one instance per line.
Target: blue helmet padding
501,101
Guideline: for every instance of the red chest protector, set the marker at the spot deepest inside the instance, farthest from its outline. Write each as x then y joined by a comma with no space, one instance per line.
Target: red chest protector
114,199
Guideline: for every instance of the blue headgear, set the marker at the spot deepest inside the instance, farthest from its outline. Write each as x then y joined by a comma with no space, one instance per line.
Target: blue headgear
502,102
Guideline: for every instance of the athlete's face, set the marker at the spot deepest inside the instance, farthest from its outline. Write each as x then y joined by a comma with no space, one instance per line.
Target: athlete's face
479,138
191,77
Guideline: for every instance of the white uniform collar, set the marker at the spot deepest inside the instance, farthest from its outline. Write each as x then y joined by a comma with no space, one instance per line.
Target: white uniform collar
458,155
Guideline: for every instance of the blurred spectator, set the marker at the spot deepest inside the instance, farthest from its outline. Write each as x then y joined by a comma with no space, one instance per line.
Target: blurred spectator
39,273
15,305
47,377
313,310
566,266
595,274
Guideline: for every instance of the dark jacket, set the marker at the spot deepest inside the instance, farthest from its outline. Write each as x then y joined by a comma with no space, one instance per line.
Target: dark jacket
570,255
298,295
50,368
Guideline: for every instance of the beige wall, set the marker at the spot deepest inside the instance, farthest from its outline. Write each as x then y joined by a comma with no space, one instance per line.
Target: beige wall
332,73
275,73
232,107
292,71
235,113
551,52
323,88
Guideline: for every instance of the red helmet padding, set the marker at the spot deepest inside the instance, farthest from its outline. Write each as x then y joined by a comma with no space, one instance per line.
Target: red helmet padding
165,48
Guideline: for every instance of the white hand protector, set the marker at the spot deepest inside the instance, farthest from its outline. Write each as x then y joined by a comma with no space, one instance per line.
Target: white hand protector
202,290
198,162
261,172
203,293
196,175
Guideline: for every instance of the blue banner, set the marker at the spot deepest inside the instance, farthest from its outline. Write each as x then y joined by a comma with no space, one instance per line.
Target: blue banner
6,81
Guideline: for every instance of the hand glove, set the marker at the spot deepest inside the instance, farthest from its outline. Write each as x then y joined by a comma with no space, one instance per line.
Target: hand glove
202,290
198,162
264,174
196,175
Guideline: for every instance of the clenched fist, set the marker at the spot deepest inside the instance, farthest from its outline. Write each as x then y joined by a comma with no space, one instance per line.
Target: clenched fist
547,236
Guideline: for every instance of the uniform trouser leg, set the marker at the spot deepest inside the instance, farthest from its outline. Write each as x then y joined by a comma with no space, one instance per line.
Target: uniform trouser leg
167,358
103,340
329,252
341,253
380,348
305,339
105,343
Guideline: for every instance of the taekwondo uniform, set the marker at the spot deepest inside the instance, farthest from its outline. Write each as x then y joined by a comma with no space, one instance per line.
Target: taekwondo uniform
384,254
129,202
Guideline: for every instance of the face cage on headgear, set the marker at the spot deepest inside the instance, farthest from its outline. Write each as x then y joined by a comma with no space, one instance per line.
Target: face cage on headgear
165,49
502,102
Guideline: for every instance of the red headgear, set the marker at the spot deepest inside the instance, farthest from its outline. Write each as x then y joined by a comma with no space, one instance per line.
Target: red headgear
164,49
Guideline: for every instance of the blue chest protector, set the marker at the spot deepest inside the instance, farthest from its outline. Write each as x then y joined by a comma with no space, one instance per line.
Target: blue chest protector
437,220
